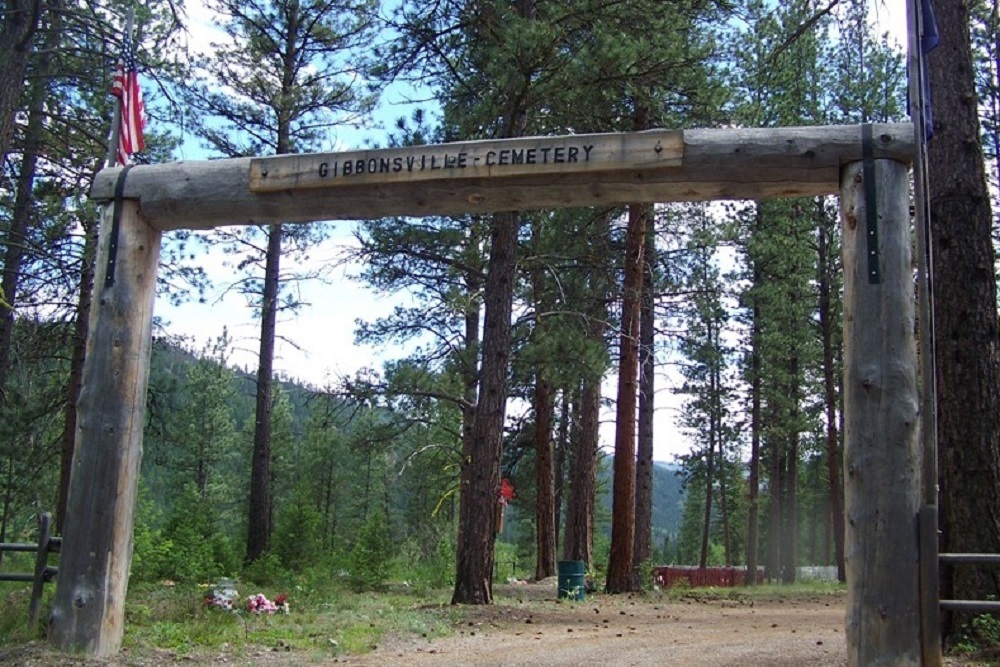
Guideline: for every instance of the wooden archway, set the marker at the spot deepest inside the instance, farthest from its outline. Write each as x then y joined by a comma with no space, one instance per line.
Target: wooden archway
867,166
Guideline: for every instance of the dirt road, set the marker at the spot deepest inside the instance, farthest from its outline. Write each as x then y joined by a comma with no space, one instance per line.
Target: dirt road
615,630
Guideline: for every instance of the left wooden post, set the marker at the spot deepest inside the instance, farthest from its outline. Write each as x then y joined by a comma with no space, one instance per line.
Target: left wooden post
89,609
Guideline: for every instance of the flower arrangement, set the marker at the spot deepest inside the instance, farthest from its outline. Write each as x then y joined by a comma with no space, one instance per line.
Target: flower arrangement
259,604
223,596
223,603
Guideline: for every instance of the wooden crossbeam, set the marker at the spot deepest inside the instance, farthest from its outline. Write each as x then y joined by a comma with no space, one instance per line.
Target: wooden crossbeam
502,175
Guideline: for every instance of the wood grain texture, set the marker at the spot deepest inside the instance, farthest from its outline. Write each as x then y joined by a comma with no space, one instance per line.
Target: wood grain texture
89,609
523,156
716,164
882,460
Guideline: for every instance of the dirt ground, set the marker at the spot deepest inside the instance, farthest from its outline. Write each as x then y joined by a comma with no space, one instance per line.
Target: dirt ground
613,630
528,627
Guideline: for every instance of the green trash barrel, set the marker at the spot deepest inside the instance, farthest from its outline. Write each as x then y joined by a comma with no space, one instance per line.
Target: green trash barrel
572,579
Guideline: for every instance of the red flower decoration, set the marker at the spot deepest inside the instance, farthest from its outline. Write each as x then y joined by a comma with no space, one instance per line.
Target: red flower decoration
507,493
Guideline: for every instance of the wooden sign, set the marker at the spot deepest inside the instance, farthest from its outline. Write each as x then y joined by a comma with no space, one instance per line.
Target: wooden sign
568,154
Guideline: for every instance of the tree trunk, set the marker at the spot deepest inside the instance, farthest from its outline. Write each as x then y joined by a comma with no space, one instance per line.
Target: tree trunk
727,542
470,376
789,479
77,361
545,510
620,577
470,366
647,394
753,477
480,477
790,509
827,324
562,446
7,495
14,252
706,527
18,23
259,518
545,519
775,484
24,198
721,466
579,543
965,315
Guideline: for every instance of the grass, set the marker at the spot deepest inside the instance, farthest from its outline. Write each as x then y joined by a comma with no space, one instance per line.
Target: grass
762,591
332,621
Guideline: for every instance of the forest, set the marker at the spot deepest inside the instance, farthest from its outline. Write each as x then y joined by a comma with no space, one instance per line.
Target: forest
520,332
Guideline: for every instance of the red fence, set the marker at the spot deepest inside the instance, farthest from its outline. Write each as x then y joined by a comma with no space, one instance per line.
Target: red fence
671,575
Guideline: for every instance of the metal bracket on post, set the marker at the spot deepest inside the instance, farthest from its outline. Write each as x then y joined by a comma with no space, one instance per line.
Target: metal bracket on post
116,222
871,208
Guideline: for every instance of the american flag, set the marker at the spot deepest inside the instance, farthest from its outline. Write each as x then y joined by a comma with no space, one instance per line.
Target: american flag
126,88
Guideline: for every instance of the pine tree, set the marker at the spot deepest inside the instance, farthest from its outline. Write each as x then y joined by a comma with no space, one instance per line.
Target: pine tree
291,76
47,261
19,22
965,312
781,76
596,287
202,432
706,358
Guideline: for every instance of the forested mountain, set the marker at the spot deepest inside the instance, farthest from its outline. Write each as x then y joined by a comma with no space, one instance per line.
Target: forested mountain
508,324
667,510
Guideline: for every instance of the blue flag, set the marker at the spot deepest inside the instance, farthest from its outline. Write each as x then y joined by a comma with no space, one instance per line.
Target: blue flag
929,39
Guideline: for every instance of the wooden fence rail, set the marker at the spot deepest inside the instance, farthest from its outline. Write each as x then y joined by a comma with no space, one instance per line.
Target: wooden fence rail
43,571
971,606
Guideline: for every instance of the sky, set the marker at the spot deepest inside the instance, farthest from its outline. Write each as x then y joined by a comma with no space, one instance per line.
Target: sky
316,345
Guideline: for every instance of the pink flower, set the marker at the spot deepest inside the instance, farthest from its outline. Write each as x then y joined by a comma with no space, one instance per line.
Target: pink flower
258,604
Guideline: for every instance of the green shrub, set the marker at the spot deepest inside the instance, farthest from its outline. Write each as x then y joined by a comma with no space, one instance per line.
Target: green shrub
429,570
371,557
189,547
981,634
505,562
266,570
150,549
298,536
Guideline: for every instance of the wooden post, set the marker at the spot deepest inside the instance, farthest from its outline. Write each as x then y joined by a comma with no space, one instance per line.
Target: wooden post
88,613
41,565
882,460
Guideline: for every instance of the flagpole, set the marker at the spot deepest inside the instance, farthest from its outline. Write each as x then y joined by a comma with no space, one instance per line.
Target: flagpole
116,120
919,27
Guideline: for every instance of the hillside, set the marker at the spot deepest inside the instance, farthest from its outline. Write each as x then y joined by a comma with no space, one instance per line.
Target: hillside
668,500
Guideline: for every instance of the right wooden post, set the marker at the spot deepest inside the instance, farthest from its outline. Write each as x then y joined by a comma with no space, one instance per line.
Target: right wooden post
882,463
